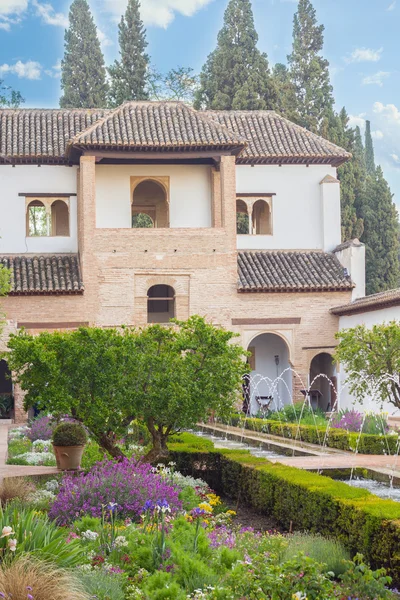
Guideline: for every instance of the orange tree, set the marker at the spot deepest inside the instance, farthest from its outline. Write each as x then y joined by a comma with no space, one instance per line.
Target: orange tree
168,377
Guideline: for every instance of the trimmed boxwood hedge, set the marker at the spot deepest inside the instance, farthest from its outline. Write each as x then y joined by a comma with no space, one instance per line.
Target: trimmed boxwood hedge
336,438
361,521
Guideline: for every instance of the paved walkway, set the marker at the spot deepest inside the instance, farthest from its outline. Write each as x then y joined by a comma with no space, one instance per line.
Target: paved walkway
317,459
16,470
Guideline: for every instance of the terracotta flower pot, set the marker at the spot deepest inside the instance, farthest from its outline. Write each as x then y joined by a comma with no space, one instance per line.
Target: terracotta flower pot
68,458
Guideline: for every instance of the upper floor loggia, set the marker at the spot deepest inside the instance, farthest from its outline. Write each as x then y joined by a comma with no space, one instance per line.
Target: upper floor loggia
147,168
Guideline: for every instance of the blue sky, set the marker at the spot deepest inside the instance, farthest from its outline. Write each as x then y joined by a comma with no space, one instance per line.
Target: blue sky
361,44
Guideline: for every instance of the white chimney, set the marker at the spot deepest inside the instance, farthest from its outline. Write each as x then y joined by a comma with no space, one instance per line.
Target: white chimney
352,256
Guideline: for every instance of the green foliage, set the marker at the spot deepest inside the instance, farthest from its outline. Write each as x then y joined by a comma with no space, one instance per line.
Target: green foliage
102,585
92,455
129,74
306,501
369,150
364,583
371,357
36,535
18,446
309,71
328,552
380,235
285,92
83,73
170,377
69,434
9,98
236,75
180,85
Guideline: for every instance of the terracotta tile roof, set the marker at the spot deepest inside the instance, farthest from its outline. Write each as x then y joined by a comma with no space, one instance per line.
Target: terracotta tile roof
34,134
369,303
282,271
273,139
156,125
44,134
42,275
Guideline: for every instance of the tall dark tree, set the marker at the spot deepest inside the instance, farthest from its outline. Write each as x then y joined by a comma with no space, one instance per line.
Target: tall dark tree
380,235
360,170
369,150
236,75
129,75
286,100
309,70
83,73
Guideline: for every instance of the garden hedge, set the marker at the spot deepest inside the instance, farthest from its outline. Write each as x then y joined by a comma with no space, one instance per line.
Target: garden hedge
336,438
299,499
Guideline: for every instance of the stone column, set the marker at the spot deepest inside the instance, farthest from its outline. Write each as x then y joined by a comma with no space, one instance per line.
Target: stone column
20,415
216,197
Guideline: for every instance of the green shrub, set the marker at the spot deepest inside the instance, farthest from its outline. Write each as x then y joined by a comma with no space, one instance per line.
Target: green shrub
103,585
329,552
18,446
359,520
69,434
334,438
92,455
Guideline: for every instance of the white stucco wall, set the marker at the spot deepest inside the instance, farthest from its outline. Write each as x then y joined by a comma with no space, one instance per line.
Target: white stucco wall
353,259
31,179
190,194
369,319
296,207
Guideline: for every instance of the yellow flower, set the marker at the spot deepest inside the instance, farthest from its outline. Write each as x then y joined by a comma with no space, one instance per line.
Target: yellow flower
205,506
214,500
231,512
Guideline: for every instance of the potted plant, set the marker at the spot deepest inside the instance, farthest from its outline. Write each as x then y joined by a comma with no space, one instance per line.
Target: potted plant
69,441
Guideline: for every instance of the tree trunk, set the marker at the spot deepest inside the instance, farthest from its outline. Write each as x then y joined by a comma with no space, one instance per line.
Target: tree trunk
159,449
109,445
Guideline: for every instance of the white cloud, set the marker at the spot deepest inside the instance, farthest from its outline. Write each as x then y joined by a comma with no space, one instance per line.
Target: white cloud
159,13
29,70
392,6
5,26
376,78
55,71
104,40
13,7
378,135
364,55
49,15
357,120
389,112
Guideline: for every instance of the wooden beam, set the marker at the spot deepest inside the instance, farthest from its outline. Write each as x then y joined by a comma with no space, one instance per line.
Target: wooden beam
215,155
271,321
255,195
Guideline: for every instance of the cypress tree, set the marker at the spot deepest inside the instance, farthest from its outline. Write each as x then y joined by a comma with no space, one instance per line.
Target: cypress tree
369,149
236,74
286,103
380,235
83,74
309,70
360,171
129,75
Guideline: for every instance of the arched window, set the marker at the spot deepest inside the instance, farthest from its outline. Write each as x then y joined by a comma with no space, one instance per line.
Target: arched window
160,304
37,221
59,218
149,205
262,224
242,218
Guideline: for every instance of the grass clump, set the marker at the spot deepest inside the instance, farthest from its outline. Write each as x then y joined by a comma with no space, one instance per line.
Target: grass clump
25,578
329,552
15,488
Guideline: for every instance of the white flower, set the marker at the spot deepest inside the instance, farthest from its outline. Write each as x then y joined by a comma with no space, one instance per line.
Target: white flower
12,544
52,485
37,458
90,536
120,541
7,531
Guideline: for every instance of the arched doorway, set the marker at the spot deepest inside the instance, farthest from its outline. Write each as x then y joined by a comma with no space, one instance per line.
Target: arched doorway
271,380
323,382
261,218
149,205
242,218
160,304
6,391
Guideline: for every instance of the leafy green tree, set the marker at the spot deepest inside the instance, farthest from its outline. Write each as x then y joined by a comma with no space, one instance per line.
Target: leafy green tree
169,377
129,75
309,70
286,100
83,73
236,75
9,98
380,235
180,84
369,150
371,358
